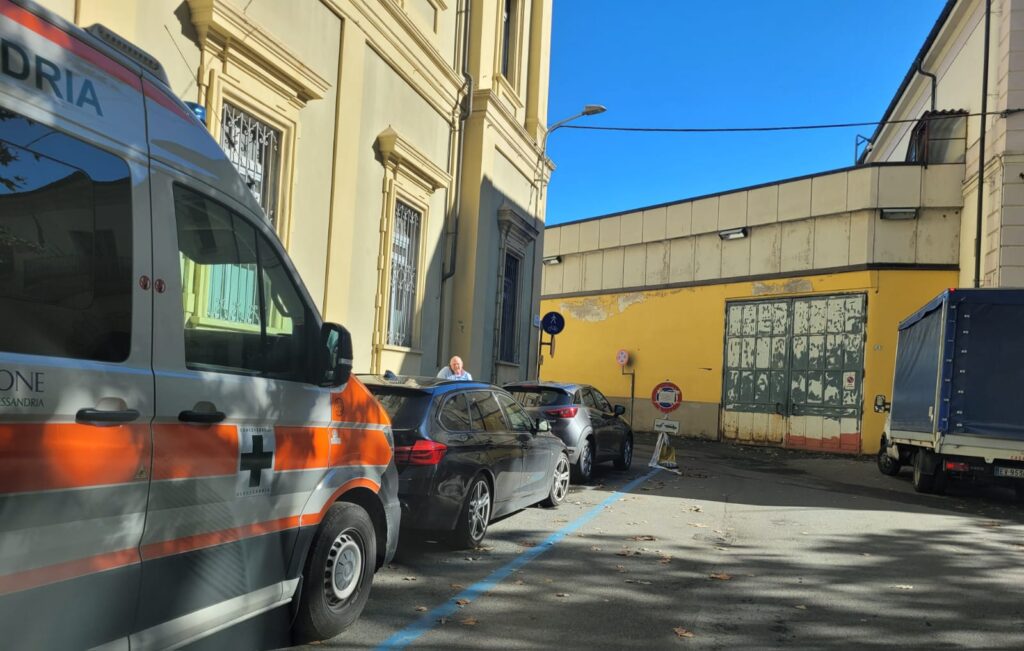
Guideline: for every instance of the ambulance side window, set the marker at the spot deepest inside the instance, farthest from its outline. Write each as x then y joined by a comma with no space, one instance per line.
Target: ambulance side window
65,245
243,312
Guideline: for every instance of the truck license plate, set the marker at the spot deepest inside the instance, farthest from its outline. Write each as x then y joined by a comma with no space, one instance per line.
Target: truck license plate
1009,472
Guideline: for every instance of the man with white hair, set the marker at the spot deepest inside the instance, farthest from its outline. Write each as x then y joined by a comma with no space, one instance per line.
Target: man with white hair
454,370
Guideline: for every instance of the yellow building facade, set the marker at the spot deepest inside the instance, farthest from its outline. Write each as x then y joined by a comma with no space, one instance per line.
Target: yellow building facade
396,146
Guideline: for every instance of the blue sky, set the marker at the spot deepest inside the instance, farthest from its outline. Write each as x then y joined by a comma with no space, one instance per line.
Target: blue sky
695,63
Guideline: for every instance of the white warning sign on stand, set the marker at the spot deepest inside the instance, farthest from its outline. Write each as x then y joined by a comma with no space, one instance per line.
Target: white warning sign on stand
666,426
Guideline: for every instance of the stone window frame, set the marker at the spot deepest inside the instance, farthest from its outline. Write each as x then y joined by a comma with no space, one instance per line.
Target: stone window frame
412,178
517,235
243,63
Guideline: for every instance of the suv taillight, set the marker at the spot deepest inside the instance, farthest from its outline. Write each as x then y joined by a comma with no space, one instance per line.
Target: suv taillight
420,453
562,412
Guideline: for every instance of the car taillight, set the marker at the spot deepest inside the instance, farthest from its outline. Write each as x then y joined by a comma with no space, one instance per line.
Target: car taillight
563,412
420,453
958,466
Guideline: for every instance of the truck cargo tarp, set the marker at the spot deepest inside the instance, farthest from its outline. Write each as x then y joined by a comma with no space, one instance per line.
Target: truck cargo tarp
916,376
987,399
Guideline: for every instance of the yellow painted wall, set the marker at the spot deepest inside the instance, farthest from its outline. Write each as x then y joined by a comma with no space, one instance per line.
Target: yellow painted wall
677,334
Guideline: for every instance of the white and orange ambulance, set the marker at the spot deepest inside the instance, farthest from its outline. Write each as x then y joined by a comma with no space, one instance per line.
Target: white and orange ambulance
182,447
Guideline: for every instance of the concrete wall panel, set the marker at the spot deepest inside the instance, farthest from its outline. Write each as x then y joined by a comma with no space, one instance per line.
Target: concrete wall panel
766,249
763,205
795,200
654,224
736,258
797,245
679,219
611,274
938,236
634,265
707,263
552,240
705,215
828,194
590,235
632,228
831,241
609,229
657,263
569,239
572,273
895,241
681,260
899,186
592,270
732,210
862,188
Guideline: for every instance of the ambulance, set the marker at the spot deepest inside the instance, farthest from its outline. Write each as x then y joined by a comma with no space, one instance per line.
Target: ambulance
182,444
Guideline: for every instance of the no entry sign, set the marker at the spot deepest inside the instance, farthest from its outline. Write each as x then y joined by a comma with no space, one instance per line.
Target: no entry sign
666,397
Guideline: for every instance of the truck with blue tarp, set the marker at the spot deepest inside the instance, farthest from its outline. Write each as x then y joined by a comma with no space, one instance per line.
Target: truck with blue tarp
957,408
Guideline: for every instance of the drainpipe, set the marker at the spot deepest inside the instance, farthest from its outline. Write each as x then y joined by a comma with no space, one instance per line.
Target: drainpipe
981,146
451,234
935,80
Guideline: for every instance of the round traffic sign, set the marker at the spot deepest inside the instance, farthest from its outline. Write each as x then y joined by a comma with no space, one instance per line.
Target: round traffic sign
622,357
666,397
553,323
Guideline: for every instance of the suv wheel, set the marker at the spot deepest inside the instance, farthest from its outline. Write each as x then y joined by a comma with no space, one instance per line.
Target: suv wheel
625,453
585,464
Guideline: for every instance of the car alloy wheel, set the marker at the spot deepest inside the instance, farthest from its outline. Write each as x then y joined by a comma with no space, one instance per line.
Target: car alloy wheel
561,481
479,510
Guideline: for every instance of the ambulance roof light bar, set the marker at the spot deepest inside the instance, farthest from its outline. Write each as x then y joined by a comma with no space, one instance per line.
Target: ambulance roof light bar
130,50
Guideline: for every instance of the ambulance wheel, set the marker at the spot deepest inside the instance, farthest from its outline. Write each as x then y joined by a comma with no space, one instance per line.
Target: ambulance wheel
338,574
886,464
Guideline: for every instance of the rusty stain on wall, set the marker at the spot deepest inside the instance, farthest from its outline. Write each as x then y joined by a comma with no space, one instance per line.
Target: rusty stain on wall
794,286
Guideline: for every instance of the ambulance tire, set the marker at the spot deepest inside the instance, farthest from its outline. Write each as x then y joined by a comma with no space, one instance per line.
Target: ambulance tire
338,574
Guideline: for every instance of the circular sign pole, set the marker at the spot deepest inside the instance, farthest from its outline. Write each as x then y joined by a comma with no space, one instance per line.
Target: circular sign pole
552,323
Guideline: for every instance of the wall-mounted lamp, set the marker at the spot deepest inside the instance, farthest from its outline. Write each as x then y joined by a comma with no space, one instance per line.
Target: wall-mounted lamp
734,233
553,259
898,213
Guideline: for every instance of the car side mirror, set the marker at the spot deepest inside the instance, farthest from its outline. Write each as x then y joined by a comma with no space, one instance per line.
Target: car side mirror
336,355
881,405
619,410
542,426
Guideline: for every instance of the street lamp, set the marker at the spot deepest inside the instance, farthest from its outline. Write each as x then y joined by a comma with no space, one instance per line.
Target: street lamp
589,109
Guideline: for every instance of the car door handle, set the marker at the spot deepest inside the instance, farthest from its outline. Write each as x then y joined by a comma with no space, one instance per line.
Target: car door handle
106,416
192,416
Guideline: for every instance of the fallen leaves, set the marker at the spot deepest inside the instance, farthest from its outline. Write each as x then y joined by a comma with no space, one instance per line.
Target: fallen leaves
902,586
620,568
665,559
421,609
628,552
408,578
469,621
643,538
800,607
462,603
991,524
720,576
638,581
562,594
456,586
698,525
683,632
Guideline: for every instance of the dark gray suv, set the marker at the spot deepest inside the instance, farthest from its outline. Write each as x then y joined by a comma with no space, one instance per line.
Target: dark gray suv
591,427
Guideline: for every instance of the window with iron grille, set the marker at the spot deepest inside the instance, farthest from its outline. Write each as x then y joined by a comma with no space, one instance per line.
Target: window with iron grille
405,246
939,137
508,346
254,148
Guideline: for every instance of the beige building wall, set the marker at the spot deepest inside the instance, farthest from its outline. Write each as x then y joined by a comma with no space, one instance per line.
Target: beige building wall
369,98
956,57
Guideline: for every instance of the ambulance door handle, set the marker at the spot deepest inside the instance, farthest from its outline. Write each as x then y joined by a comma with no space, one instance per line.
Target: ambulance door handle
106,416
192,416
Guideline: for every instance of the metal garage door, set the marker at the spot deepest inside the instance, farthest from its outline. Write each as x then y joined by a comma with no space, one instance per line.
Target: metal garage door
796,358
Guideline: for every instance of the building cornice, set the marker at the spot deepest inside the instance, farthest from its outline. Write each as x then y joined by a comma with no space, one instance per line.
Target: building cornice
397,40
222,21
399,152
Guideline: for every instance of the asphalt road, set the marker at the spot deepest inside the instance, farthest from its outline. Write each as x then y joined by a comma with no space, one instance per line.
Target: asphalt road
749,548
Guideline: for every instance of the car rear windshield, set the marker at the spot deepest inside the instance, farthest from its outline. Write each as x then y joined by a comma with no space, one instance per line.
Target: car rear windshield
539,396
406,408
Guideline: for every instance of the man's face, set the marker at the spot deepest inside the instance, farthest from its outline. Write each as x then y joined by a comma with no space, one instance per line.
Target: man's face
456,365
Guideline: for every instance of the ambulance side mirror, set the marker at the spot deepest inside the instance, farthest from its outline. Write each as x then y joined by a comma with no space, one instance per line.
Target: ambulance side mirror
336,352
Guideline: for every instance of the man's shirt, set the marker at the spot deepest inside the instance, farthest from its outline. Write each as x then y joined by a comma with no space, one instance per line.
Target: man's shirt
447,374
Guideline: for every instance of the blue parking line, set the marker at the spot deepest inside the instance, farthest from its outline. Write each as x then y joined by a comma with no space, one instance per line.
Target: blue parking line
410,633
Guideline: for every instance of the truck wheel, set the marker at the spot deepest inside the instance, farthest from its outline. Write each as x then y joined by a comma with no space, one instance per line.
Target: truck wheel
886,464
338,574
923,483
